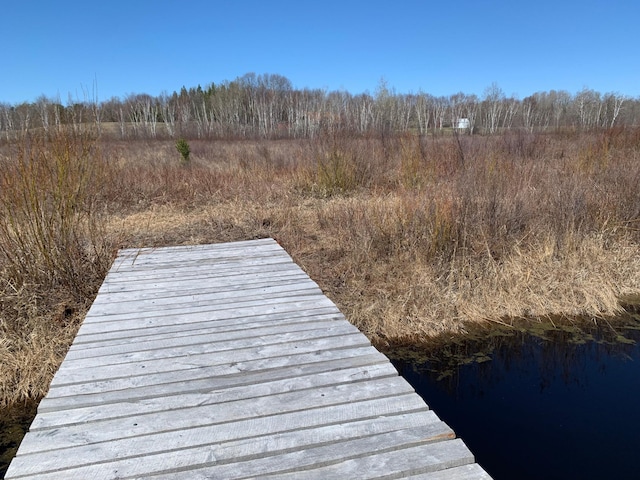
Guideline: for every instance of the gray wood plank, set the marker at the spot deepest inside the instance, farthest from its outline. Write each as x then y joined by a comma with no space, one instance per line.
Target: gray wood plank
230,270
251,325
251,372
368,457
238,450
168,254
209,247
210,393
198,413
214,280
225,297
163,254
203,355
305,307
248,306
211,335
198,267
210,263
471,471
187,430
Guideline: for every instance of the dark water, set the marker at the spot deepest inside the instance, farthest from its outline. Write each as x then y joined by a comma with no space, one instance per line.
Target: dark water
14,423
555,405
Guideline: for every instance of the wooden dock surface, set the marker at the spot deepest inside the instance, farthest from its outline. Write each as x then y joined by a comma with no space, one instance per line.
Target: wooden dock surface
228,362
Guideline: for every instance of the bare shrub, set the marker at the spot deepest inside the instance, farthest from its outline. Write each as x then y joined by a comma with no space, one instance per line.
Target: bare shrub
54,253
50,231
341,164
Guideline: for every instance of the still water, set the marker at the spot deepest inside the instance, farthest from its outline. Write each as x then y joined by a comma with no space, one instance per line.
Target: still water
555,405
14,423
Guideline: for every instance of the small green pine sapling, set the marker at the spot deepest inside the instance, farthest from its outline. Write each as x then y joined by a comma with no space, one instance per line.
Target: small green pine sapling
183,148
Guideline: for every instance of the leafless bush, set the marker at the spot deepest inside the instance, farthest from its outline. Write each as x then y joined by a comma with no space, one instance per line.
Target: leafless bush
50,232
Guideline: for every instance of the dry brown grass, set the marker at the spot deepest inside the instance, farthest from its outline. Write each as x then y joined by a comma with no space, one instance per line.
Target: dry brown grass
411,237
36,333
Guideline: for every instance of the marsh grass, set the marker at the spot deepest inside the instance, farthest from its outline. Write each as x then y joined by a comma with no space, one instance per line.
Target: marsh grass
53,253
411,237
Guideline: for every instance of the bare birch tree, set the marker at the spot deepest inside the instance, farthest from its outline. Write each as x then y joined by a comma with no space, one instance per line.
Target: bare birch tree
493,106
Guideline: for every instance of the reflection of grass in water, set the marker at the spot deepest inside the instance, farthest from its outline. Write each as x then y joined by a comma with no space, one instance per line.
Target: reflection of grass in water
623,339
446,354
14,423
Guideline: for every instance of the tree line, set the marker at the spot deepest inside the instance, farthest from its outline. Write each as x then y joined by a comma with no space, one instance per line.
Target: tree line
267,106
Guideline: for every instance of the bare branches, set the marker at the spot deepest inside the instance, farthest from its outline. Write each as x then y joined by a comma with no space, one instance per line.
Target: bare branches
267,106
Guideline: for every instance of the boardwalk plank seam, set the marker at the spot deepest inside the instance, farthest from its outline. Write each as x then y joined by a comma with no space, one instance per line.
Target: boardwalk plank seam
161,384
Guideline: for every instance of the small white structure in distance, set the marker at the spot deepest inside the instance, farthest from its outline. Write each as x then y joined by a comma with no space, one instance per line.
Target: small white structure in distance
463,124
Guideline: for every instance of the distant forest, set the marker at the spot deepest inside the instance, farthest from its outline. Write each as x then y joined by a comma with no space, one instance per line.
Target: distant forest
267,106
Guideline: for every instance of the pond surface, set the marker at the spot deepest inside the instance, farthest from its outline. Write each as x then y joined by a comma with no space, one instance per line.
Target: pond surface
14,423
555,405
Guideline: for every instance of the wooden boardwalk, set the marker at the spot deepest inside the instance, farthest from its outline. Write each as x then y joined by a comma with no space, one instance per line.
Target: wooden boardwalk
228,362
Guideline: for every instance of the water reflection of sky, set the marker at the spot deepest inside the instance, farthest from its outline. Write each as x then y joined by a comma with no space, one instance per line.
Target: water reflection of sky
541,408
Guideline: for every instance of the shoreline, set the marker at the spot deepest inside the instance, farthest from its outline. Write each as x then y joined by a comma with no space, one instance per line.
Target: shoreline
375,312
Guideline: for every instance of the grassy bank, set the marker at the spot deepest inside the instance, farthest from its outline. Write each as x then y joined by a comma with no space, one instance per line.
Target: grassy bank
411,237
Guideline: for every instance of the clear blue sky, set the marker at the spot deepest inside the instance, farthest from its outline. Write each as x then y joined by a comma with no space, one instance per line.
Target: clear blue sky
105,49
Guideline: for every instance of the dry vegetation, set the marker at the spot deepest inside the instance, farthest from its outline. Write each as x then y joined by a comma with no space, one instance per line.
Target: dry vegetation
411,236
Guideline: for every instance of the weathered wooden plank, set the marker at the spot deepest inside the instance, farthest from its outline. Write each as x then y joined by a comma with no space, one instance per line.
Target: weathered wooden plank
370,457
174,330
212,280
207,336
305,307
232,271
167,254
235,279
238,450
251,372
205,247
160,255
472,471
234,275
225,310
163,255
176,434
209,393
223,297
198,267
208,265
198,412
199,355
